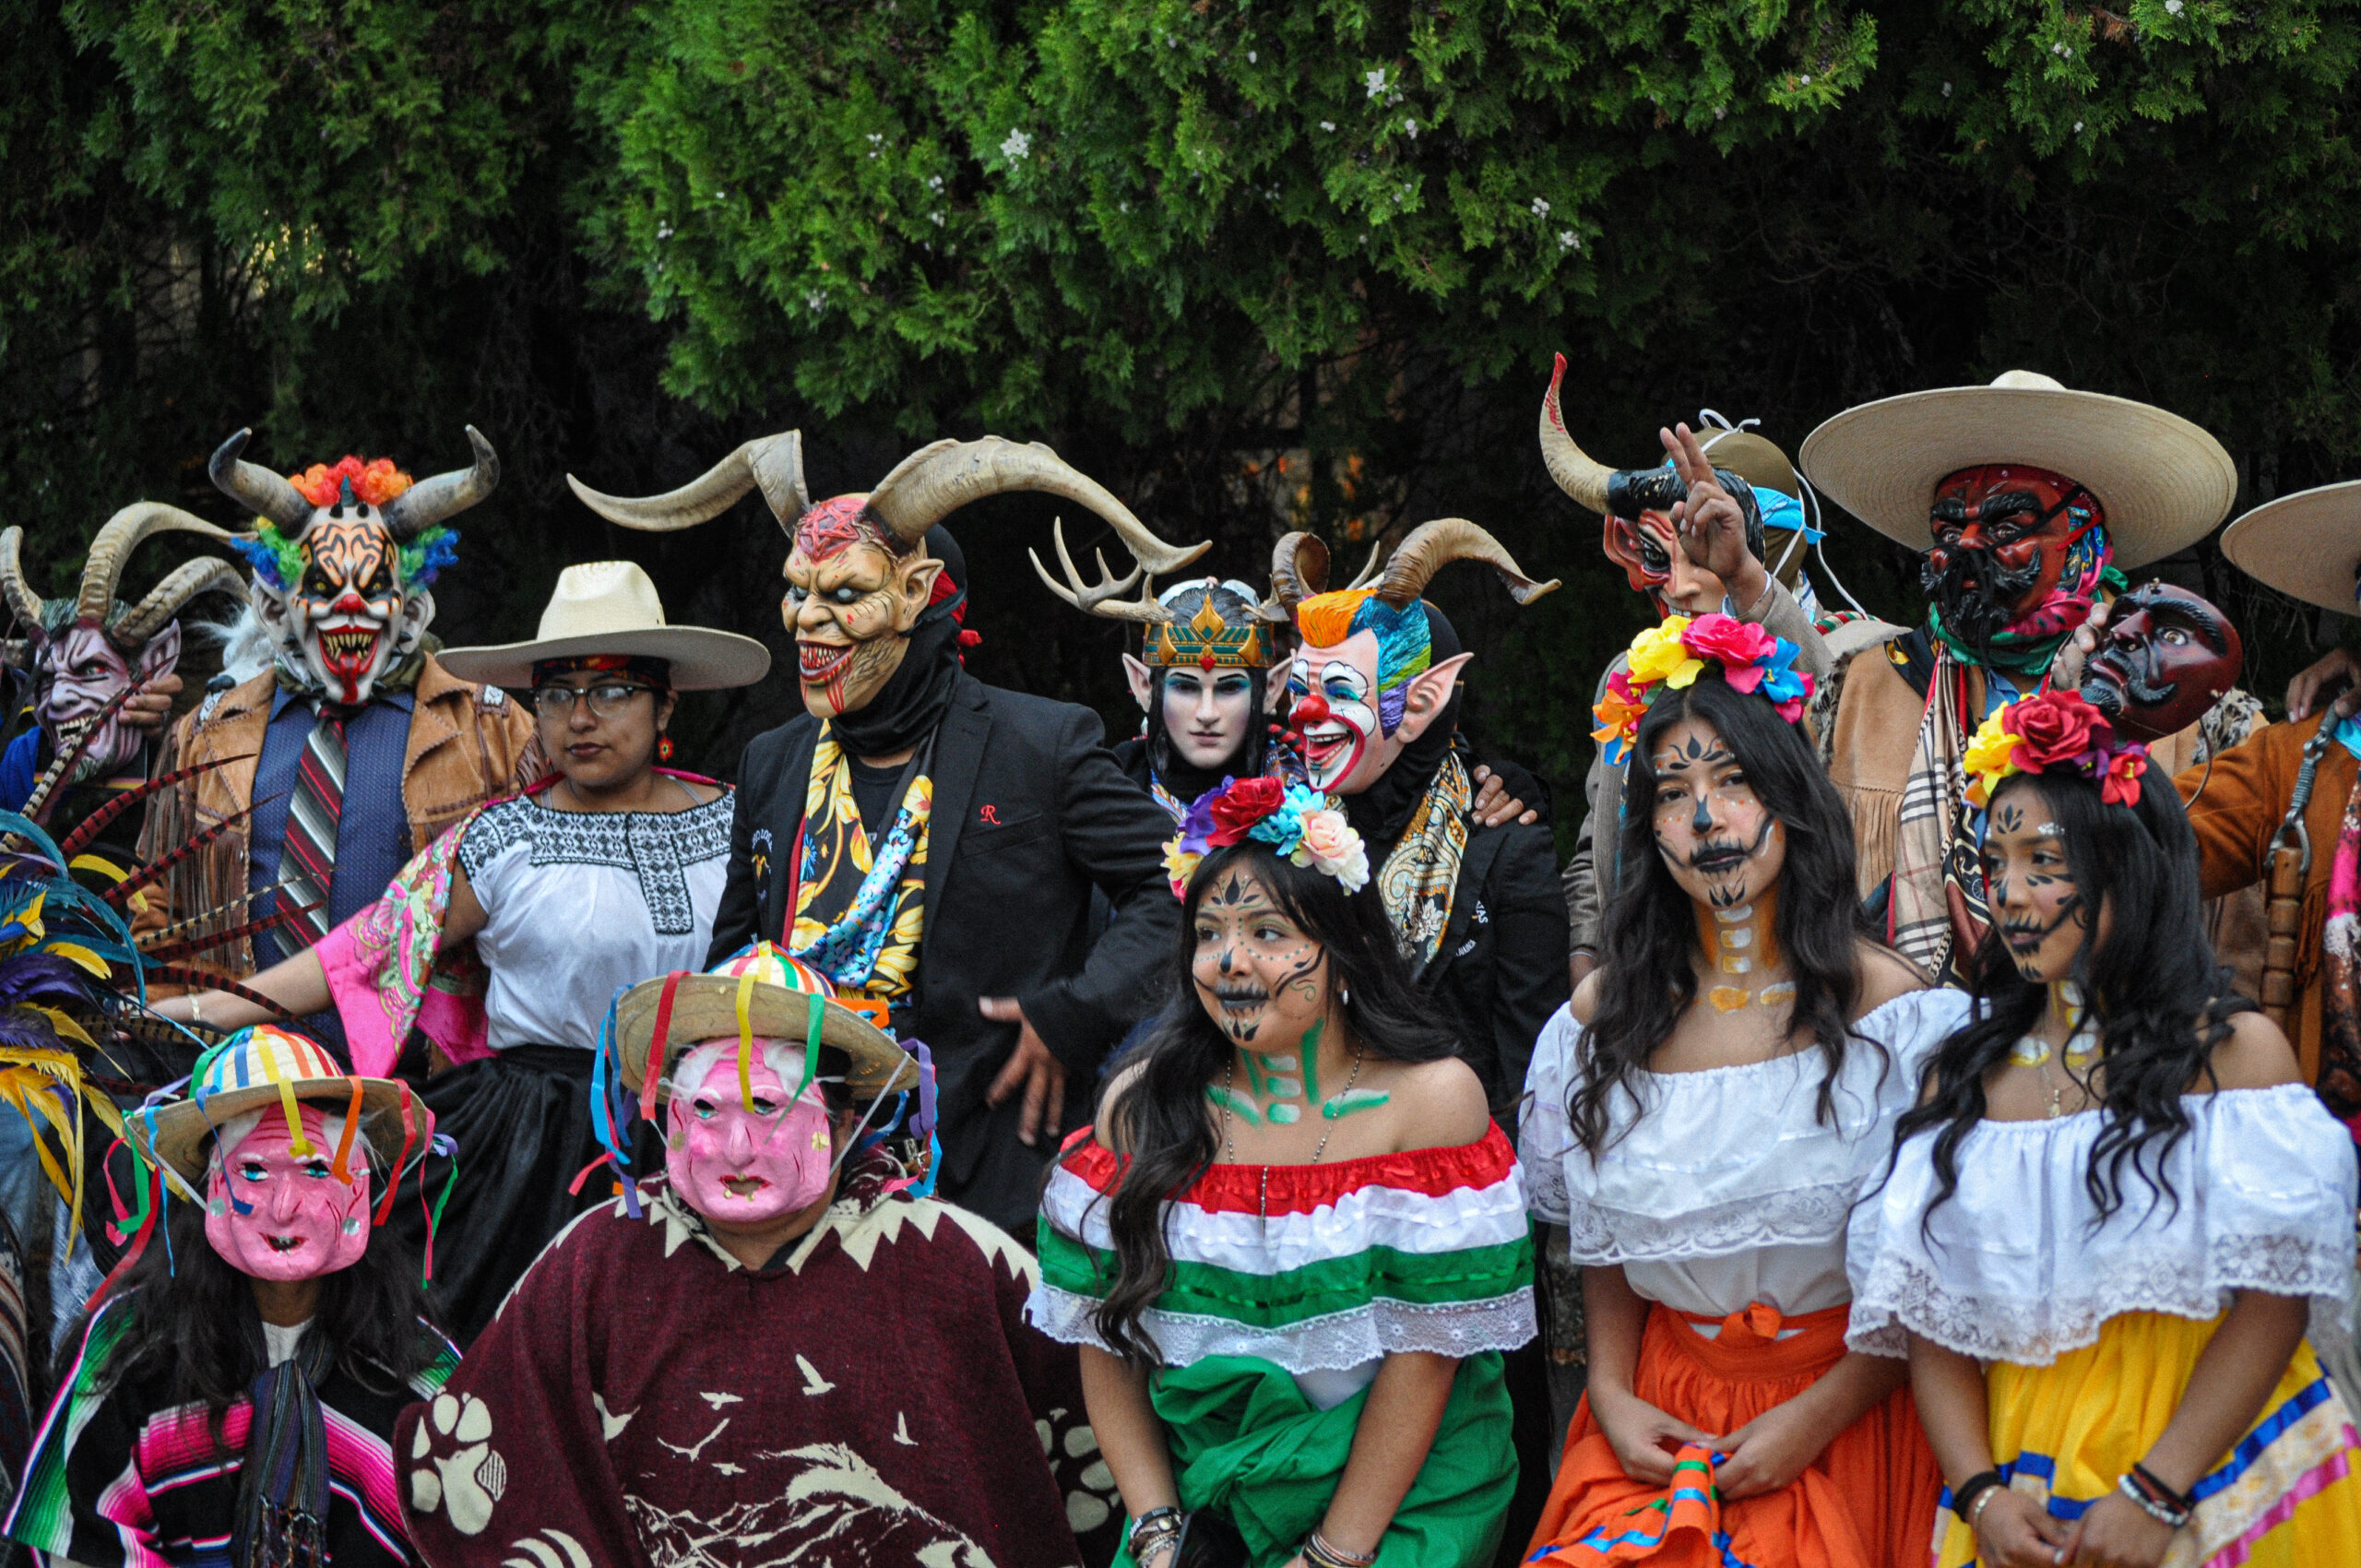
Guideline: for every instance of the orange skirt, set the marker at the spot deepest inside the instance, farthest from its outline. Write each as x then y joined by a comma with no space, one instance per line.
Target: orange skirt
1868,1501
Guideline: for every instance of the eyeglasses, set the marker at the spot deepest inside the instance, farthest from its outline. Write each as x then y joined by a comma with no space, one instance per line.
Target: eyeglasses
607,700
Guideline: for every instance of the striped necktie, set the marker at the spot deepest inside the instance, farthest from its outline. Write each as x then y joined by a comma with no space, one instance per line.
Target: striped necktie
307,856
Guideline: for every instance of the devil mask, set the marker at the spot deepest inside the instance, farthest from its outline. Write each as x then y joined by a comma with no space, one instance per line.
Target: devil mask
342,557
2165,657
2020,556
86,650
1364,682
858,571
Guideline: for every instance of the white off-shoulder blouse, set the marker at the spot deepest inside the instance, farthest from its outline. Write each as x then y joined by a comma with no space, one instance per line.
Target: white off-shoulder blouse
2017,1267
1722,1188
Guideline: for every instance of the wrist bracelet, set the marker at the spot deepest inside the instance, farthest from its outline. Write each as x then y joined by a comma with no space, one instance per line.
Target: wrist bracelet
1155,1524
197,1008
2163,1493
1974,1492
1316,1551
2164,1513
1982,1501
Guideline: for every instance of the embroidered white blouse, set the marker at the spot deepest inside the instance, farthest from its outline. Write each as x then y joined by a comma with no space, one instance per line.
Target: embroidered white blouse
1723,1187
577,904
2018,1267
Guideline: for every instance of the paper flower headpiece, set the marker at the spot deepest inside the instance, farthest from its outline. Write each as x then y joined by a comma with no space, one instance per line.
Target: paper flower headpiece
1293,819
1676,653
2054,732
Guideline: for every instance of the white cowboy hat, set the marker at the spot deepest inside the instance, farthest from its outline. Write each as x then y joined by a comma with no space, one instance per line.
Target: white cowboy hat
610,607
2162,481
2306,545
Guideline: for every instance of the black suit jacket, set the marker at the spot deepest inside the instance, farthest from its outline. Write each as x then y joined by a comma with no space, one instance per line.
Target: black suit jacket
1030,813
1501,969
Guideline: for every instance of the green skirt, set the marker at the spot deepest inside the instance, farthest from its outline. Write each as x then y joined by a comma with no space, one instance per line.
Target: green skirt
1245,1442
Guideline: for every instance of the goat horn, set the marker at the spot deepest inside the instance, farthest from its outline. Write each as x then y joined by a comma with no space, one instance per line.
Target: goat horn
936,481
112,550
773,463
164,600
255,488
1577,473
430,501
1299,570
1432,546
23,603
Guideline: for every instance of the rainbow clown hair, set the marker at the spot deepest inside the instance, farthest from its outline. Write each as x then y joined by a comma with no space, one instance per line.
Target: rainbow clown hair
1676,653
1404,642
277,557
2054,732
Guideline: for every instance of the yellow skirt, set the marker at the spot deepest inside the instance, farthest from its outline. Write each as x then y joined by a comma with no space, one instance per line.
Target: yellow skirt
2285,1496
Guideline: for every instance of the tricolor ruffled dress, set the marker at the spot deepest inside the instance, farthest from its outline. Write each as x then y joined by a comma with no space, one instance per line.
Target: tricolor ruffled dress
2090,1328
1723,1195
1291,1285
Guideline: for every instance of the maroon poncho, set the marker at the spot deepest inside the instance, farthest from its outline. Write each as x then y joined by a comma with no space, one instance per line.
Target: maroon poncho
871,1396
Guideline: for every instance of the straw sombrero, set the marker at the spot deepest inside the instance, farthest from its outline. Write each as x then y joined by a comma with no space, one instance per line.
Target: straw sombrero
780,998
2163,481
610,607
2306,545
257,1068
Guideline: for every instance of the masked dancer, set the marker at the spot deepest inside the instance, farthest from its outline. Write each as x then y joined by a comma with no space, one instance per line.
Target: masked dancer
1295,1244
233,1401
354,709
896,832
505,939
1702,1140
2117,1222
836,1370
2030,502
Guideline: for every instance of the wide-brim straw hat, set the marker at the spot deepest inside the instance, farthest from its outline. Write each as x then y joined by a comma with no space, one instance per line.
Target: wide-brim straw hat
2306,545
2163,481
254,1070
704,1007
610,607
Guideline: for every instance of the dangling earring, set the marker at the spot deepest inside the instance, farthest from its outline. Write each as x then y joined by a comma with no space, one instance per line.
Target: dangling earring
664,748
1344,994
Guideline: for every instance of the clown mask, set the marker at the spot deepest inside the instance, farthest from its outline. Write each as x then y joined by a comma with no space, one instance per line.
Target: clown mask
2164,657
1363,697
2017,551
274,1208
80,670
851,601
744,1163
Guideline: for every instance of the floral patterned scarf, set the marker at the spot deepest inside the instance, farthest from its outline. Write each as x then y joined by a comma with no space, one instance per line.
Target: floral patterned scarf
1417,879
860,912
2340,1070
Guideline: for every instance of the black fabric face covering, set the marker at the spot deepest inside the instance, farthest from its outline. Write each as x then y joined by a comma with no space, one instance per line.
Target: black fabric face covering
911,702
1379,813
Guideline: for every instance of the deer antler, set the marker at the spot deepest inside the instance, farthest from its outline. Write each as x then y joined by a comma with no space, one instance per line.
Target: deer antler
1101,600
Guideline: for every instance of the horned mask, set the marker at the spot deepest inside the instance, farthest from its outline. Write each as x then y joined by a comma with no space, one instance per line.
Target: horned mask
342,557
858,571
85,651
1364,682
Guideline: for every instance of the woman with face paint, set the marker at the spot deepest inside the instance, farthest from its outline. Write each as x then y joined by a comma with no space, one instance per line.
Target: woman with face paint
778,1349
233,1401
1294,1245
1701,1116
504,941
2117,1222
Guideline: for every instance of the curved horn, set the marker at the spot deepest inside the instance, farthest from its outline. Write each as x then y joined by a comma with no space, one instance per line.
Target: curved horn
1432,546
1299,570
1576,472
936,481
164,600
254,487
430,500
23,603
1101,600
122,534
773,463
1368,568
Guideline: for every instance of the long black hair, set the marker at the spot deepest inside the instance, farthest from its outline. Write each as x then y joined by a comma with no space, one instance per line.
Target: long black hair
2161,1002
1160,1126
195,1325
1647,971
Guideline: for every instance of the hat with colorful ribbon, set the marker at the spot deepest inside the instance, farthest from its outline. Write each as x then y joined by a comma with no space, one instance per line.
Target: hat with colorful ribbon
762,994
265,1066
2054,732
1673,656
